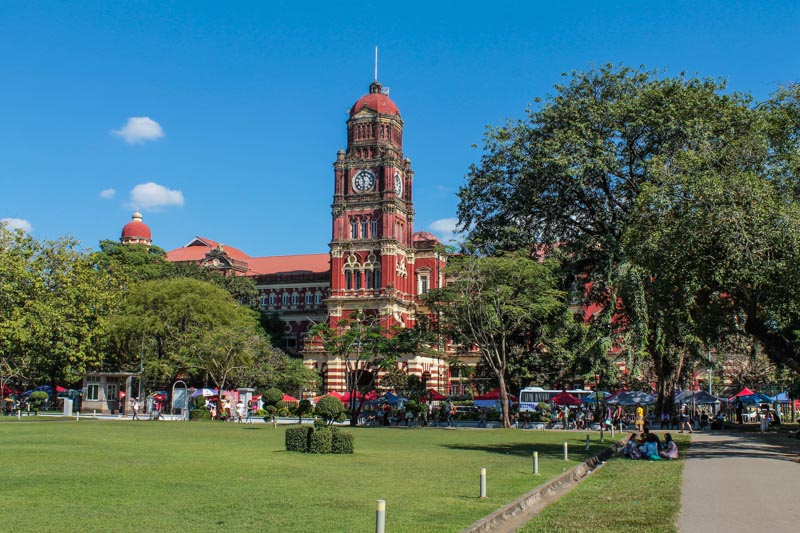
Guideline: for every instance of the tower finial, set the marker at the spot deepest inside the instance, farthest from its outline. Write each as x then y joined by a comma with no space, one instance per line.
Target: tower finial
376,64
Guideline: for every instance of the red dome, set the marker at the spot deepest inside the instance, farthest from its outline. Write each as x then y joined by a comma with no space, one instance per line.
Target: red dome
136,228
375,100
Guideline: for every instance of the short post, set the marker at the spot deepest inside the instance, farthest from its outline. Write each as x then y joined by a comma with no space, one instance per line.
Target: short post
77,416
612,432
602,436
587,442
94,413
380,517
535,463
19,414
566,451
483,483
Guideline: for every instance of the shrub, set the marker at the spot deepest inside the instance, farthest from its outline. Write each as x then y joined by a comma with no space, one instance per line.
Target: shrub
272,396
304,407
342,442
261,412
201,413
297,439
329,408
320,423
320,441
198,402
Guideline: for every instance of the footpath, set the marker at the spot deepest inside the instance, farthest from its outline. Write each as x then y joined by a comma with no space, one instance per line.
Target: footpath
741,482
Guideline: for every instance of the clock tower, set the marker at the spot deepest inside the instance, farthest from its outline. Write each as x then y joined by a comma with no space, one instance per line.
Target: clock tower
372,249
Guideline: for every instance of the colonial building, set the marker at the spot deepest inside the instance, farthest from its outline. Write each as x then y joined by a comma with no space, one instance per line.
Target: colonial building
377,265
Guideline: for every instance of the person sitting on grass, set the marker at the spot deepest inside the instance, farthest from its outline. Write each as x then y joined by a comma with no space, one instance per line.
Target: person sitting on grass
630,447
650,446
670,450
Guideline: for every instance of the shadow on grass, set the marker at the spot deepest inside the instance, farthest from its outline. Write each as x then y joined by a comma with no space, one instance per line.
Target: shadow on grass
526,449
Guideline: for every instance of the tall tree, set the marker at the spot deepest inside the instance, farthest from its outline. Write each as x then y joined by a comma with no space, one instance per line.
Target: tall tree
497,306
571,172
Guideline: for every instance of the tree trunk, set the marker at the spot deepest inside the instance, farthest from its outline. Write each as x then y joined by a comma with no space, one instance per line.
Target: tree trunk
501,379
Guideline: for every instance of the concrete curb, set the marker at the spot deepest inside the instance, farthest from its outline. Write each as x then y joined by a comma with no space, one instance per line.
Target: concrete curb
517,513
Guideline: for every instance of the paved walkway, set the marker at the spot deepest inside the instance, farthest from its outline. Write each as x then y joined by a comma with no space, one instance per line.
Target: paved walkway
741,482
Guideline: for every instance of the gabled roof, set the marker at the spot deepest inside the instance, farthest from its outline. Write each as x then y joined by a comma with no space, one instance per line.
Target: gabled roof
197,248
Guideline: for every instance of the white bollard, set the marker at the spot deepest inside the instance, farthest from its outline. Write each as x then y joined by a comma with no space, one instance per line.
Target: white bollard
566,451
19,414
77,416
535,463
483,483
380,517
612,432
602,435
94,413
587,442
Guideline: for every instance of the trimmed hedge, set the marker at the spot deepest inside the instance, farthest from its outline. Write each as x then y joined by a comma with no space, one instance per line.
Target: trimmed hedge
311,440
297,439
320,441
201,413
342,442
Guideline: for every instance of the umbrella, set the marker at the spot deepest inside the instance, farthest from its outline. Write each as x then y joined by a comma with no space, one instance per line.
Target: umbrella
597,396
204,392
632,398
755,399
701,397
565,398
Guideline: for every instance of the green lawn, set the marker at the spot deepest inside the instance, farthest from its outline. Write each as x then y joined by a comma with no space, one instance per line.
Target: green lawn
134,476
623,495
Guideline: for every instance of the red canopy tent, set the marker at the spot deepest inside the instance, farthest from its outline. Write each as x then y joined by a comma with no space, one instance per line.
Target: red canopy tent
744,392
493,395
346,397
434,395
336,395
290,399
371,395
565,398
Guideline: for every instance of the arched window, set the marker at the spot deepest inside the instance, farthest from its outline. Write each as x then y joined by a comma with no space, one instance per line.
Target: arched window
272,299
285,298
308,298
262,301
295,298
318,298
354,228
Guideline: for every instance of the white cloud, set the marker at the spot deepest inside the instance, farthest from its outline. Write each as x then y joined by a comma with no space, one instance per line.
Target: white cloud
139,130
153,196
108,194
17,223
445,229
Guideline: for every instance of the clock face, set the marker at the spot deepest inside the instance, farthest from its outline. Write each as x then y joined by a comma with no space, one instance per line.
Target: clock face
398,184
364,181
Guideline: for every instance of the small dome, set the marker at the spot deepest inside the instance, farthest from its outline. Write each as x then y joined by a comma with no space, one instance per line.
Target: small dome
136,229
376,101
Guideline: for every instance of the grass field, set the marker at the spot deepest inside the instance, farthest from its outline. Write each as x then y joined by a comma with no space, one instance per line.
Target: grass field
168,476
624,495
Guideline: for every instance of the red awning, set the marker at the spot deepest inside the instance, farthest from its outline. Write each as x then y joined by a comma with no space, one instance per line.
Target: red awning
434,395
565,398
744,392
287,398
346,397
493,395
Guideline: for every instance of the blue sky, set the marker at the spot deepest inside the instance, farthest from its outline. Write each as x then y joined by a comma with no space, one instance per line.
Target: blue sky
247,101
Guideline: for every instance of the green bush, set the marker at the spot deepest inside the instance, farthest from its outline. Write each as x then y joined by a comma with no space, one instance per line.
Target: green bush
329,408
341,442
320,423
320,441
297,439
201,413
261,412
198,402
272,396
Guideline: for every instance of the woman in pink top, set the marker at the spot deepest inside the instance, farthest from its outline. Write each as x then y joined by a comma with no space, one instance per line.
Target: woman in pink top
670,450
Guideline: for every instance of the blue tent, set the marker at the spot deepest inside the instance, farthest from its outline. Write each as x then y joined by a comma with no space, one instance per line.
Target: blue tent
755,399
393,399
781,398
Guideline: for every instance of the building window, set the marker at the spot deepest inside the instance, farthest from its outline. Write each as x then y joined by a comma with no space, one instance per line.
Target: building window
364,228
93,392
318,298
285,299
423,284
377,279
354,228
295,298
358,279
373,224
308,298
271,299
348,279
262,301
291,343
111,391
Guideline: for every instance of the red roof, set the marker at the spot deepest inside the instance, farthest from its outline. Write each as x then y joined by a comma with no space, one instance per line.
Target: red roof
285,264
424,236
199,247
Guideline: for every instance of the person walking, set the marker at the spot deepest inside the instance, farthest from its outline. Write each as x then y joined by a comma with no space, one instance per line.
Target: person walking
451,411
135,409
683,417
639,420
